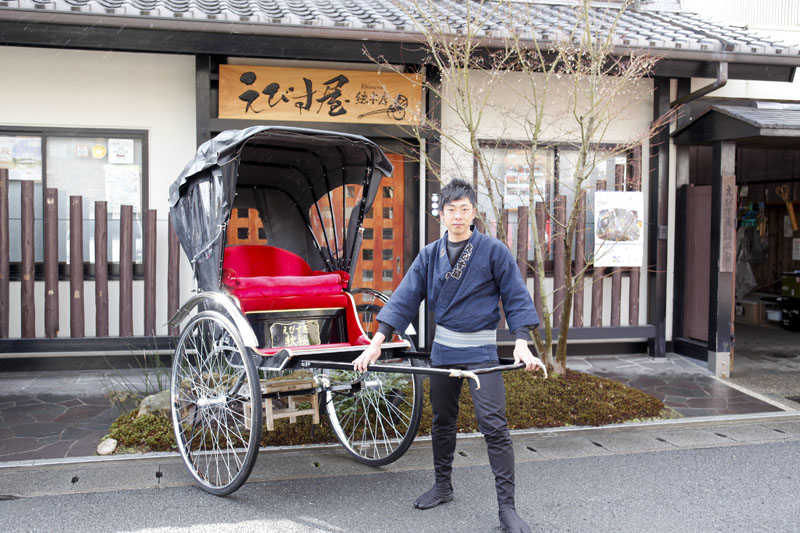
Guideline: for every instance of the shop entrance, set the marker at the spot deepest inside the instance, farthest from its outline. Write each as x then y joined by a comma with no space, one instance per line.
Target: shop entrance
382,258
764,292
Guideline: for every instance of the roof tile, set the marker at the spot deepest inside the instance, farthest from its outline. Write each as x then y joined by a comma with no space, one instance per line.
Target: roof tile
663,30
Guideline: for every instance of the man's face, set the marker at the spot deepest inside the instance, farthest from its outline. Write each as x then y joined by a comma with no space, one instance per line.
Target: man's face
457,217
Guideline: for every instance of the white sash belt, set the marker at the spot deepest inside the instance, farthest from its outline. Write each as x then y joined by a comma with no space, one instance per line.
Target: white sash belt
457,339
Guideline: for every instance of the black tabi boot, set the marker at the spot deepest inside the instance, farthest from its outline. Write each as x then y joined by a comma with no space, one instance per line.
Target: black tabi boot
511,521
438,495
501,459
443,440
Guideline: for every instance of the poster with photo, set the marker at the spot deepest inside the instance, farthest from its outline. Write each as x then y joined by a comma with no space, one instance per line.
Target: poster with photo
22,156
618,229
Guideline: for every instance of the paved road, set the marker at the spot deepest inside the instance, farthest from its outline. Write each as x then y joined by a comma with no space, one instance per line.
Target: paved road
742,477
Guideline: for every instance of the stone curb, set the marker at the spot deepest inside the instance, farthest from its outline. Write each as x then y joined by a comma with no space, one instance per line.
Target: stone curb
166,469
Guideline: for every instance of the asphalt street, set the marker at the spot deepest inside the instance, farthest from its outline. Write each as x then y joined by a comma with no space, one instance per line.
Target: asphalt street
743,487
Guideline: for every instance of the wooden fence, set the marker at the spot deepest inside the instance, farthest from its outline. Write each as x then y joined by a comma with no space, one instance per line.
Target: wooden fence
126,303
631,181
77,297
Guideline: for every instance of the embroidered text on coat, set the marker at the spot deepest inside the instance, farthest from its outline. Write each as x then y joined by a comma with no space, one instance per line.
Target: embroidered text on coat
458,270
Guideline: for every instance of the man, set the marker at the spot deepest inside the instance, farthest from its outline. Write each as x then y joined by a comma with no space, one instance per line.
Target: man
463,275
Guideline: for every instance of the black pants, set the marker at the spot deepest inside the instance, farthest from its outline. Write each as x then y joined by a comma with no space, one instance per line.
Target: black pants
490,408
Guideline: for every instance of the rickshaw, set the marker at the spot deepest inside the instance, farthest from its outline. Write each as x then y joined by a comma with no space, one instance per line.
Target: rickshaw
278,323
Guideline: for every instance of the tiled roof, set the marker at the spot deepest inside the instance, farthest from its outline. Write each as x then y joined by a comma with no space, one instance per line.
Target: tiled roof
661,30
776,116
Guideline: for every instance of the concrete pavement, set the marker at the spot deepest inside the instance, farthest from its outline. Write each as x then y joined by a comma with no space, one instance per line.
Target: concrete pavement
699,475
160,470
55,414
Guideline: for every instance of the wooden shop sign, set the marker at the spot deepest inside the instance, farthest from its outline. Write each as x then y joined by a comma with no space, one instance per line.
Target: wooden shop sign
319,95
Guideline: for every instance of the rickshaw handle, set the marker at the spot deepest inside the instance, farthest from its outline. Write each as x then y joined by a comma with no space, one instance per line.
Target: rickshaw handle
450,372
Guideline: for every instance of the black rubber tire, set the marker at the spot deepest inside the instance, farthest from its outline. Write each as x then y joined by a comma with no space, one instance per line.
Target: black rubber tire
213,376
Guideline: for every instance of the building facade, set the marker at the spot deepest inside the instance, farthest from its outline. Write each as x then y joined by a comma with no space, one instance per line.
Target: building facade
147,81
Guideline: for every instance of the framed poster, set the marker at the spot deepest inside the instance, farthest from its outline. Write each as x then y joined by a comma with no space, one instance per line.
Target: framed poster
618,229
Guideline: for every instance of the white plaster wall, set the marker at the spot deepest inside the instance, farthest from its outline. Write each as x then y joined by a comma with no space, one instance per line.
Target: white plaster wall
757,90
505,116
776,20
94,89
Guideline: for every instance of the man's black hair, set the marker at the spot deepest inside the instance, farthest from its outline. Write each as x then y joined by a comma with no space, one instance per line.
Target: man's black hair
456,189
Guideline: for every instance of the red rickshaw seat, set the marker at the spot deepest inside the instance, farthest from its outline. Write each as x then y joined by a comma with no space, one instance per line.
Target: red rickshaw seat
266,278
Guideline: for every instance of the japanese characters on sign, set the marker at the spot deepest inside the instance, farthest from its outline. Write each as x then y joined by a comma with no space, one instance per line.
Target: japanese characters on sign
303,333
318,95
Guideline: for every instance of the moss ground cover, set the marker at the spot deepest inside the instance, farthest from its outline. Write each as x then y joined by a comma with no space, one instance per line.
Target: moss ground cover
572,399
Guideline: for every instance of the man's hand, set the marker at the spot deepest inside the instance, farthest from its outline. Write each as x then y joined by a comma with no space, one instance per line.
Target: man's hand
370,355
522,354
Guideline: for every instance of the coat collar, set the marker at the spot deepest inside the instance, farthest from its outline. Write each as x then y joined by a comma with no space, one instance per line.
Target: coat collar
443,262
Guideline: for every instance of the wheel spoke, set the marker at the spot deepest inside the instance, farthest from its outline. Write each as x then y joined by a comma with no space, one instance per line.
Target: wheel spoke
377,419
208,406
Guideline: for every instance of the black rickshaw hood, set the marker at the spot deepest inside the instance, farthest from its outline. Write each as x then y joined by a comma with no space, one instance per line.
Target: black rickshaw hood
302,164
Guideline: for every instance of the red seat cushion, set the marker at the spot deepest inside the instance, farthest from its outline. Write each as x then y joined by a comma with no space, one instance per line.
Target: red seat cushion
250,260
265,278
253,303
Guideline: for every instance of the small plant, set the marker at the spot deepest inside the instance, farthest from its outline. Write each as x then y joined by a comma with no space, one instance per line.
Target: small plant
146,433
571,399
146,375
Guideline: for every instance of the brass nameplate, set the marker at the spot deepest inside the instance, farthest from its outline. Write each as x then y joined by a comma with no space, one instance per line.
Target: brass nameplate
297,333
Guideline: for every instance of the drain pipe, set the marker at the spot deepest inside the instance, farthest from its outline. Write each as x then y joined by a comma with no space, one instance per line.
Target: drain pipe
722,79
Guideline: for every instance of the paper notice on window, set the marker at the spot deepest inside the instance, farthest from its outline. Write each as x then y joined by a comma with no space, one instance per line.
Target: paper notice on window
22,156
796,249
122,187
618,229
787,227
120,151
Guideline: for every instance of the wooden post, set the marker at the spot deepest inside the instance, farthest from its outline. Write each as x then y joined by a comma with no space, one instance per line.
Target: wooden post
580,261
126,271
101,268
634,184
150,272
76,321
503,234
4,258
597,282
558,258
479,222
28,310
522,241
173,275
537,290
50,215
616,276
723,257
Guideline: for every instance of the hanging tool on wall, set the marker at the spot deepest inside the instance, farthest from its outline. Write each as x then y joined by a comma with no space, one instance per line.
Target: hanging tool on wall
762,220
783,192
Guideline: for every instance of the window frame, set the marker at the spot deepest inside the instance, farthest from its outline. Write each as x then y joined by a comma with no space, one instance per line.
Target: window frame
15,268
557,147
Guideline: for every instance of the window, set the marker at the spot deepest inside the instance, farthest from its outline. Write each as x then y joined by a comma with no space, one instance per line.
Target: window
518,177
98,165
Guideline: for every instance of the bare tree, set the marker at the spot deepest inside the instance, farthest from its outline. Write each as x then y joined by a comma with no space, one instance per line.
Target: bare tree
511,80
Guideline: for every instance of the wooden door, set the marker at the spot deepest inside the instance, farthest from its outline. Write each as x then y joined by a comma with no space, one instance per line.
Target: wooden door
245,227
380,260
698,262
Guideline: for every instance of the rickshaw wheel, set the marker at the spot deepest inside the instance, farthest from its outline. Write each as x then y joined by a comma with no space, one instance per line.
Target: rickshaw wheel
376,418
216,403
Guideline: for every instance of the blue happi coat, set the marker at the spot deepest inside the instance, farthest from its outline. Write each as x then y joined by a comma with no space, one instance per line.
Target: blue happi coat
464,298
